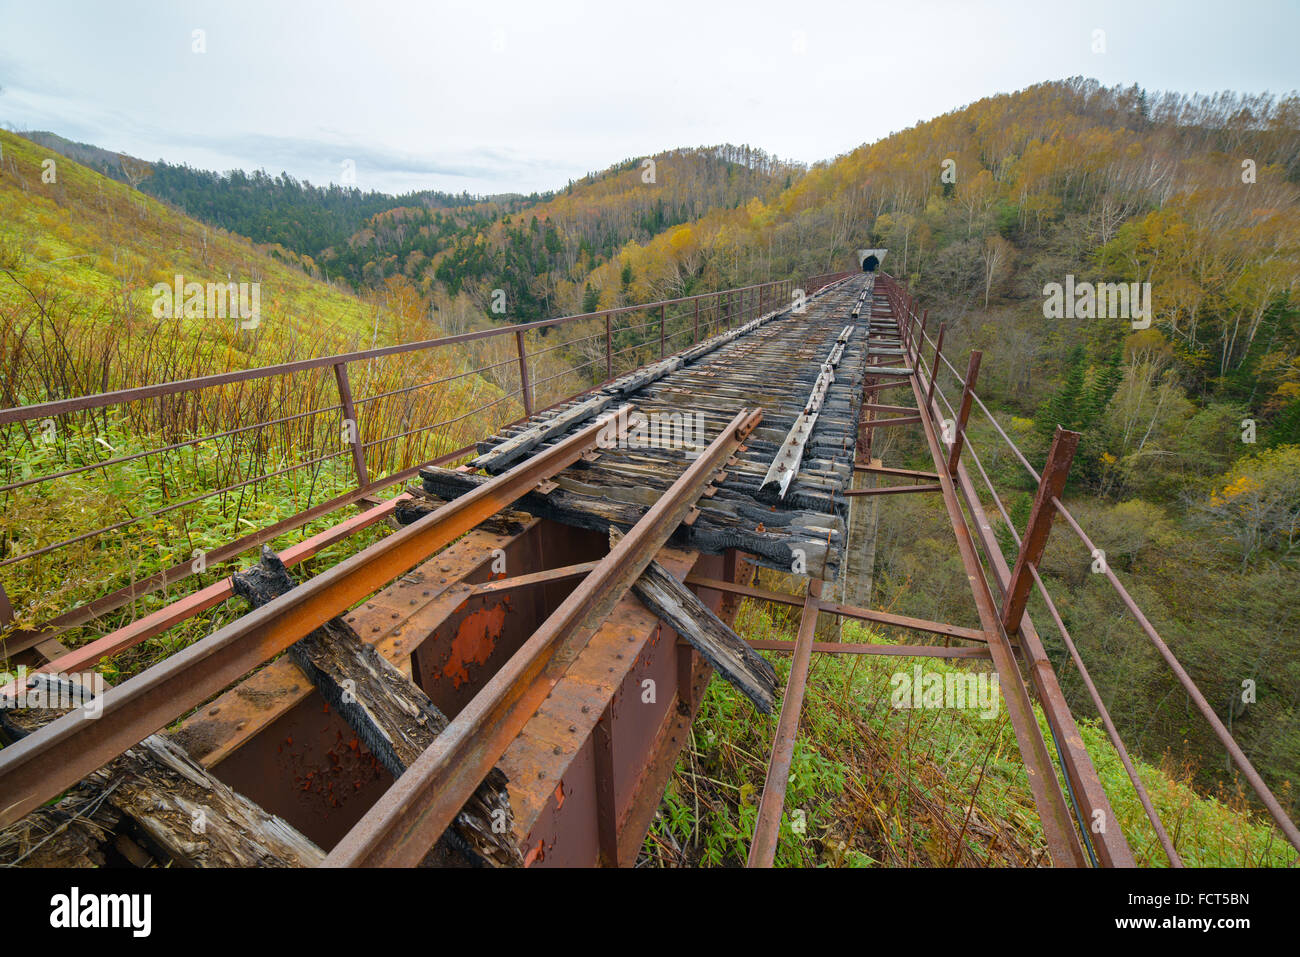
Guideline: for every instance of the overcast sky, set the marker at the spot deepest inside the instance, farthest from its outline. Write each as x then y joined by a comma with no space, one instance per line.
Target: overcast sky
503,96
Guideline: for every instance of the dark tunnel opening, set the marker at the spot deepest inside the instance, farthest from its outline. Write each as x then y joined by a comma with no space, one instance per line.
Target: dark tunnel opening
870,263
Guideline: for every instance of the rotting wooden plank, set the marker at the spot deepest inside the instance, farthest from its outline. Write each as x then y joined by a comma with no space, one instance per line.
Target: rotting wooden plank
724,522
516,447
72,833
390,713
188,814
775,365
725,650
194,817
640,379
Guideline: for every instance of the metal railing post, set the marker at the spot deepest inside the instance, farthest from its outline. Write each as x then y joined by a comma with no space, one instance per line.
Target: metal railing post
913,323
934,371
963,413
350,424
609,346
524,386
661,331
1050,486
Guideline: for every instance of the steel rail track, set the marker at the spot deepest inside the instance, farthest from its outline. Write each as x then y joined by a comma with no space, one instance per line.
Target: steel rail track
405,822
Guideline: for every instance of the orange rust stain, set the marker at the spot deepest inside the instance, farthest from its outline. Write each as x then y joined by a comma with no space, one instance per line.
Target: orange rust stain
559,795
475,640
538,853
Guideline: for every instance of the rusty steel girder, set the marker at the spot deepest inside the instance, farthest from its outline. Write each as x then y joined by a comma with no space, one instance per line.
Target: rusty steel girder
767,826
405,822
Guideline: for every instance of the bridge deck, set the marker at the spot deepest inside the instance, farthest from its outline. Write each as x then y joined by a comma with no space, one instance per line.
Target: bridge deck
773,367
596,751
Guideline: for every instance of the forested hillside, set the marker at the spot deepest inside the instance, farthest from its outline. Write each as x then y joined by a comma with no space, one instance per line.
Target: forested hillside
314,222
457,249
542,256
1189,473
81,260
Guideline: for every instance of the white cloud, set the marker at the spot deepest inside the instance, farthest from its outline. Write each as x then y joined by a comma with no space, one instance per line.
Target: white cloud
522,96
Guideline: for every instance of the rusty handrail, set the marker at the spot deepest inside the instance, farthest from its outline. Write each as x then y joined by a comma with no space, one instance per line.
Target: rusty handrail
1234,750
751,298
26,413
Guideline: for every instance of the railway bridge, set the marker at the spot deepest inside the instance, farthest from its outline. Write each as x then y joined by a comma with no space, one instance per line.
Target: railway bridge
509,677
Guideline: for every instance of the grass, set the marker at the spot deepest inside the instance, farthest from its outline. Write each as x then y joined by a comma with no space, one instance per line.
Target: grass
872,785
78,258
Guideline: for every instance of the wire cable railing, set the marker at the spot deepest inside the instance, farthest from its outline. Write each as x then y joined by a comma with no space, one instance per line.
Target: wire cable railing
914,331
388,432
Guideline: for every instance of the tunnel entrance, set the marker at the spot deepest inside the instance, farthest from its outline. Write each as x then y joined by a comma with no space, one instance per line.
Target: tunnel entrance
870,263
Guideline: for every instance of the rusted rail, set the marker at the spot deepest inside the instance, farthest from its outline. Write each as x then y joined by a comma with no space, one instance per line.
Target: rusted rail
767,825
402,826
